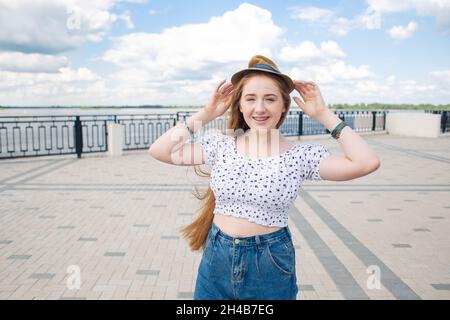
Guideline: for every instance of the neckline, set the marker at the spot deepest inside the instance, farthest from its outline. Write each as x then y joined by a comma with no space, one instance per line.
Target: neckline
281,155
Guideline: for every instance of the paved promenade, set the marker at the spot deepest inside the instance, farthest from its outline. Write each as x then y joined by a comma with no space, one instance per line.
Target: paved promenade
115,221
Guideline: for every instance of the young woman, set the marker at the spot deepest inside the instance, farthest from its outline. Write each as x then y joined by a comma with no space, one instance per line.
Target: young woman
255,177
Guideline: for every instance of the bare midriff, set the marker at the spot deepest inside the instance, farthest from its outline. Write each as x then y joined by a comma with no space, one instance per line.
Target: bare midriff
240,227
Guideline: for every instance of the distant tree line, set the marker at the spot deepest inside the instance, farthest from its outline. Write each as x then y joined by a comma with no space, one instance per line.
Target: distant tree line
337,106
383,106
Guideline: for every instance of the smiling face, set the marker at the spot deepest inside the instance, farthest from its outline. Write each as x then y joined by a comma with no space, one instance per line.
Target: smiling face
261,103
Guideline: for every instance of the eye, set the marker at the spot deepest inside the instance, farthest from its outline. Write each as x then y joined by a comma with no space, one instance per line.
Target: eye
250,99
271,100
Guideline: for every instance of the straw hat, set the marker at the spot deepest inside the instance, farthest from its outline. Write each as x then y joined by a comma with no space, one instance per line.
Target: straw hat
261,63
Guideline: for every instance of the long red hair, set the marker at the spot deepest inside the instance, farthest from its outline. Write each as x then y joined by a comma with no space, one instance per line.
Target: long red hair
197,232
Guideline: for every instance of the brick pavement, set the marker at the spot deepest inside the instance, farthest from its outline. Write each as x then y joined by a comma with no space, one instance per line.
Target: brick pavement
116,220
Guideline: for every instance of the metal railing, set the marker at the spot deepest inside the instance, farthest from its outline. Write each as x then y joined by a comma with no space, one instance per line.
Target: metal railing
298,124
31,136
141,130
445,119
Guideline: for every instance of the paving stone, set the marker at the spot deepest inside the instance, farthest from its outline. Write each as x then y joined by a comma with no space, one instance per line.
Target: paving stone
114,254
441,286
87,239
401,245
305,287
42,276
185,295
19,256
148,272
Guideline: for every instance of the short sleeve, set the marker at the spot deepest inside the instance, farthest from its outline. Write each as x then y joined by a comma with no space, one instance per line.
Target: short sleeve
210,142
312,156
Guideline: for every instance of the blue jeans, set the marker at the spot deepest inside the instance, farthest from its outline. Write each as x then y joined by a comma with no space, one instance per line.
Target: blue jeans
247,268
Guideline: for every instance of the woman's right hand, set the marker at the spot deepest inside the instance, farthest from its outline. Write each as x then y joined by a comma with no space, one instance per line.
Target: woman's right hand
220,100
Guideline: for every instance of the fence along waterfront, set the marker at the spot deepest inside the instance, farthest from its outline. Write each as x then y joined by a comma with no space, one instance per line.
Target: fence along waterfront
33,136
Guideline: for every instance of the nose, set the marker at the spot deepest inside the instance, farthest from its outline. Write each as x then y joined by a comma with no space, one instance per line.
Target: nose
260,105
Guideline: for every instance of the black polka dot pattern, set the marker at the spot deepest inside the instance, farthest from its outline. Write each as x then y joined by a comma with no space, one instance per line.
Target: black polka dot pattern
260,190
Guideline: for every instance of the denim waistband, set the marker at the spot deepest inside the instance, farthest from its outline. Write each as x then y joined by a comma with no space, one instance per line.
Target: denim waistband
281,234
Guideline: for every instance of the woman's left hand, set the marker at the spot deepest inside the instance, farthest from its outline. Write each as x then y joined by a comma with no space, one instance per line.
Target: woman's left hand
313,104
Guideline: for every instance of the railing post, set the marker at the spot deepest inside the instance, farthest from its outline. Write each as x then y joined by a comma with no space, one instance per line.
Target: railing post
106,132
374,120
300,123
78,136
384,120
444,115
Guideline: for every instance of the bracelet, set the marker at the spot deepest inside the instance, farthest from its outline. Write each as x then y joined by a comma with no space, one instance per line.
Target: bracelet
336,133
191,132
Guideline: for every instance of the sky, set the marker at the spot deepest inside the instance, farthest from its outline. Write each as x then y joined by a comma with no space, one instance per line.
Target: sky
150,52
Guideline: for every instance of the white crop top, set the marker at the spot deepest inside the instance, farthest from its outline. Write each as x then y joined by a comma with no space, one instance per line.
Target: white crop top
260,190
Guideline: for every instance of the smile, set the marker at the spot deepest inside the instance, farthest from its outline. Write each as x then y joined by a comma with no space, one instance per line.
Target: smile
260,119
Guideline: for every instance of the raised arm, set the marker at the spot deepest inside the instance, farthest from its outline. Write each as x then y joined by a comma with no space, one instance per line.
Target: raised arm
358,160
171,147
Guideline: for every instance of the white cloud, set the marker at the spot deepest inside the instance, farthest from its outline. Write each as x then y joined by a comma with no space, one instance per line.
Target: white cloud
194,69
390,5
400,32
183,64
439,9
441,76
336,24
332,49
413,88
308,51
65,75
49,26
389,89
391,79
21,62
342,26
371,18
331,73
370,88
198,50
312,14
127,19
190,60
67,87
